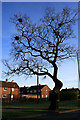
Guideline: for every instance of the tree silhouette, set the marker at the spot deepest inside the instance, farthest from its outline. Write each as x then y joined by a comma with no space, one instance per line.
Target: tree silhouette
44,44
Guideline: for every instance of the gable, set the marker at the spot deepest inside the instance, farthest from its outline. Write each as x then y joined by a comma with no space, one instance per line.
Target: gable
46,87
9,84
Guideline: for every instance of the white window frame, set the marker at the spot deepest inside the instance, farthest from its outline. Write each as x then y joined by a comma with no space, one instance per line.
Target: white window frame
5,88
4,96
46,96
12,96
12,89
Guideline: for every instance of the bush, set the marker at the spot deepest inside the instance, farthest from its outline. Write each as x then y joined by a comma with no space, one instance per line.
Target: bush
68,95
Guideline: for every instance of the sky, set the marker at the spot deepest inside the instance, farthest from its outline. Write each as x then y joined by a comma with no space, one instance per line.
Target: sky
68,70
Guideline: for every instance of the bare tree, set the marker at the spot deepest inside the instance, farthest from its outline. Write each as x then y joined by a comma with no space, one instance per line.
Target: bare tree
44,44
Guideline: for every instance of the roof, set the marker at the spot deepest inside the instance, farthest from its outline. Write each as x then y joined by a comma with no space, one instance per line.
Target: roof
8,84
32,87
23,89
37,87
27,90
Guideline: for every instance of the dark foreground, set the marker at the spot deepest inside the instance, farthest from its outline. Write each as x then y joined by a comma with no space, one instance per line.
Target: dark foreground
68,110
50,115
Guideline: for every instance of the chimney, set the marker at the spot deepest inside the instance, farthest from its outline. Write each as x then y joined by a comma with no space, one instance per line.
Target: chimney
28,87
6,80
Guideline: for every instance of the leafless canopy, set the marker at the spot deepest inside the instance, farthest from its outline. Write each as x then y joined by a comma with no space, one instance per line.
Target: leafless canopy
42,46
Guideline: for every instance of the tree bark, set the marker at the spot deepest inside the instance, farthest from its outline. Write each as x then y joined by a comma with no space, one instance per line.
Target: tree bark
56,90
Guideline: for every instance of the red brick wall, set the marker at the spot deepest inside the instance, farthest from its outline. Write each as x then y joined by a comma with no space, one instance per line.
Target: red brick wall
30,96
7,92
45,92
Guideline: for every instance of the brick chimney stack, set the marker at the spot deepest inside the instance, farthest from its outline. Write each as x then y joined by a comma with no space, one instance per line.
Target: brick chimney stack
6,80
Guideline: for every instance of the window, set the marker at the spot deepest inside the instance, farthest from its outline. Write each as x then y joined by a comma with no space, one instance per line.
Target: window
30,91
46,96
27,91
46,91
11,96
12,89
4,95
5,88
39,90
35,91
20,91
42,96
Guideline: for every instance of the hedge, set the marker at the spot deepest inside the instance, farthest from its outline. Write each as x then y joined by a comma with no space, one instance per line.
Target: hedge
68,95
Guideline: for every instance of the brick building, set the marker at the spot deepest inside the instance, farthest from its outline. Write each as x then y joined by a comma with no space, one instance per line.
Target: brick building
9,90
31,92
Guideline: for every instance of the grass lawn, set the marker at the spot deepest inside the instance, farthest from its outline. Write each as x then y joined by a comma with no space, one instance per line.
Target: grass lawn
22,113
75,104
21,105
62,105
34,109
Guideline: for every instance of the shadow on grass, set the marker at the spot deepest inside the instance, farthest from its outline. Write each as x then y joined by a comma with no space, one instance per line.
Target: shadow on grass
41,115
40,112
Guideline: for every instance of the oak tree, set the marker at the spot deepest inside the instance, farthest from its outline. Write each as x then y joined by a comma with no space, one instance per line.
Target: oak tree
43,45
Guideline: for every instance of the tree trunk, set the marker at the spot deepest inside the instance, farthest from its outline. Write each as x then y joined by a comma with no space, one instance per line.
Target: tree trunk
55,98
55,93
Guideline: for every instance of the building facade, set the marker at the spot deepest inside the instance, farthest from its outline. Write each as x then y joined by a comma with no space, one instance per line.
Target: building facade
42,91
9,90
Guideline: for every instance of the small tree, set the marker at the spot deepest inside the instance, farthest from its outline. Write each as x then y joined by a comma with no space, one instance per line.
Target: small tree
44,44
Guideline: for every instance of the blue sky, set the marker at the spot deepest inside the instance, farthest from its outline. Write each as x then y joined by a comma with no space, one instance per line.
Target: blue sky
67,72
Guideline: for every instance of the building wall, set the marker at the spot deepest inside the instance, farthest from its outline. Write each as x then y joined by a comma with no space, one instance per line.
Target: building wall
0,92
30,96
7,92
45,92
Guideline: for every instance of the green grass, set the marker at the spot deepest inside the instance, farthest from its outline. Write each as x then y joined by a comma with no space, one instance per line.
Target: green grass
41,105
35,108
69,104
21,113
69,107
25,105
63,104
